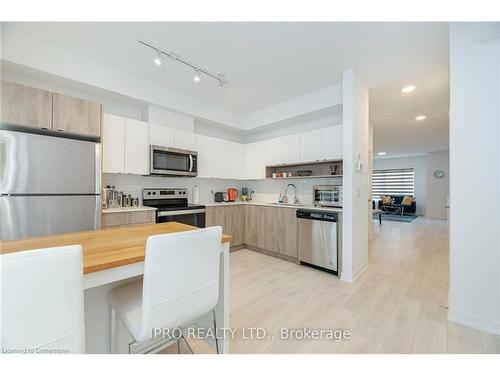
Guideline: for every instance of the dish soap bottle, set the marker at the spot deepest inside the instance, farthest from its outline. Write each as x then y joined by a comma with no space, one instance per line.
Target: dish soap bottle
196,195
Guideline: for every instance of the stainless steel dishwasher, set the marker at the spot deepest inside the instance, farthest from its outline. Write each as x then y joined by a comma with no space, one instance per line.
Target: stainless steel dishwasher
318,239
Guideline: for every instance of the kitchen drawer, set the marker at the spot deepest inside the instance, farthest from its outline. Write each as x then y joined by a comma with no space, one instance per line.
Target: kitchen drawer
114,219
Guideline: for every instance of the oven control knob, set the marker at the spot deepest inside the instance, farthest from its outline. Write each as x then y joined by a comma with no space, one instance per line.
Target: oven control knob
149,193
154,192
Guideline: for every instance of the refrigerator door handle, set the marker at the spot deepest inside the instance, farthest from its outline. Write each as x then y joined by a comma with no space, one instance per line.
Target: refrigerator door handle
97,160
97,217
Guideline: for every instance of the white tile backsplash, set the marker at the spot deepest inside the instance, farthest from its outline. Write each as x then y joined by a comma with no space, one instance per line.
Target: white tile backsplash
133,184
269,190
265,190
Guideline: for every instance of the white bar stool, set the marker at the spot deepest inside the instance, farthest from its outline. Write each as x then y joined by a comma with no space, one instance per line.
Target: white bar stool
180,285
42,301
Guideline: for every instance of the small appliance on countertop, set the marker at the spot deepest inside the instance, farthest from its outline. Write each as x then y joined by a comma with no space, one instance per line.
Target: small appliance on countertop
220,196
328,196
172,205
232,194
112,198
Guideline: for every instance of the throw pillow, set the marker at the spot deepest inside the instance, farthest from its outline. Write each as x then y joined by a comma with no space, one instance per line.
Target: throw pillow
407,201
386,200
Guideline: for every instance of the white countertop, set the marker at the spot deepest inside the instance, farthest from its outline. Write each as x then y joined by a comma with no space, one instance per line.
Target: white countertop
127,209
300,206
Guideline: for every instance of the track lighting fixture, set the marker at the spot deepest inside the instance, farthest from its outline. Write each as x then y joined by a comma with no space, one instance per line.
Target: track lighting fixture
158,60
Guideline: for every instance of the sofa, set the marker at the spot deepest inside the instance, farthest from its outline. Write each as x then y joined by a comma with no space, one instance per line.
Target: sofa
397,199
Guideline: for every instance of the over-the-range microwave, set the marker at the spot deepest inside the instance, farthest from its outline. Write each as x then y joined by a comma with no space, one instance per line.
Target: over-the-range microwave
169,161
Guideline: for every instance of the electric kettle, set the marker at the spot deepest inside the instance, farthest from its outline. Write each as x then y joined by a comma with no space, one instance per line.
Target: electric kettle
232,193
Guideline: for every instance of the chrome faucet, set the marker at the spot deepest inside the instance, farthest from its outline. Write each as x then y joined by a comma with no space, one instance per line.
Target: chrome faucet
295,198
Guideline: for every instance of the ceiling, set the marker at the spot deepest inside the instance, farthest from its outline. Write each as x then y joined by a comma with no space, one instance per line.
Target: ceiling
269,63
393,113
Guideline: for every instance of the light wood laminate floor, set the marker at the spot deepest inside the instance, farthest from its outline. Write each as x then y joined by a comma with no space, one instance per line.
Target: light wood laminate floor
398,305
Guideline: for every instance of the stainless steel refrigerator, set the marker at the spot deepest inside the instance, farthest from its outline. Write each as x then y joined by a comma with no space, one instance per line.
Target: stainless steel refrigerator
48,185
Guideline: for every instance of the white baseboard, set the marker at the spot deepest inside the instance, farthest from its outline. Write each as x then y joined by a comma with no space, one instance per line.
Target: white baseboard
350,278
360,270
473,321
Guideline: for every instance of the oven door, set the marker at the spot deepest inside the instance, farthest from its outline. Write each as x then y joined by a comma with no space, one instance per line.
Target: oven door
194,217
173,161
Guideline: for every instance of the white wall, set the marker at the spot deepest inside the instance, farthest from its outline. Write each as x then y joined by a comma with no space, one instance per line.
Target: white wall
162,116
419,165
474,295
356,183
309,103
437,188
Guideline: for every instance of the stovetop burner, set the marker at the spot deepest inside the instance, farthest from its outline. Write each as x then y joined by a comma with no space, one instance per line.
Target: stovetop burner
168,199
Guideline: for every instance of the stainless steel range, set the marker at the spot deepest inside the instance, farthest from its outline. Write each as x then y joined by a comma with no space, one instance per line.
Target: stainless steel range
172,205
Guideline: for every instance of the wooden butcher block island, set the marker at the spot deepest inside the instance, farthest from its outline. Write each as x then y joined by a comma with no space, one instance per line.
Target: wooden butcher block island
112,257
105,248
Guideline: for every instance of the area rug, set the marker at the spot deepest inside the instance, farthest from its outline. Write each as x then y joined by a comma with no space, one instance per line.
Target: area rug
404,218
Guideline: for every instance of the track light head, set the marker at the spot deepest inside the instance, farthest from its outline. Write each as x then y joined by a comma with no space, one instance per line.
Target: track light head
158,59
197,76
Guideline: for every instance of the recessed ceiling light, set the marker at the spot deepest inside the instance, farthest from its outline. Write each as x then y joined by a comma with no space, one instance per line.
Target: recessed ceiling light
407,89
420,118
382,153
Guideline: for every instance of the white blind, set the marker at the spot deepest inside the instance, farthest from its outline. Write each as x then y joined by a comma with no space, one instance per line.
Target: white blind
393,182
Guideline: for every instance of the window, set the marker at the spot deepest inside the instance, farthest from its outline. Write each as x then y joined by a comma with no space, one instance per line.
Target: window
393,182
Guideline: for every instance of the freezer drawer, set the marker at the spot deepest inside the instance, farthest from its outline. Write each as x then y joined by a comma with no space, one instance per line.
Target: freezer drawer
30,216
317,243
41,164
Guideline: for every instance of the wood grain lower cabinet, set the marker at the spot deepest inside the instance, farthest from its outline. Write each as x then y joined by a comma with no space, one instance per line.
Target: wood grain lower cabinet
216,216
273,229
26,106
252,225
230,218
119,219
268,228
287,231
75,115
235,222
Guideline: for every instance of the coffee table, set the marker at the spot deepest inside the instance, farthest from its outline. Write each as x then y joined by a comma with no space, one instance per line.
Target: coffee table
393,210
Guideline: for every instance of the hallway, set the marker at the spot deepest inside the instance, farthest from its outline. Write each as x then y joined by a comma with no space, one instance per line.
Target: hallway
397,306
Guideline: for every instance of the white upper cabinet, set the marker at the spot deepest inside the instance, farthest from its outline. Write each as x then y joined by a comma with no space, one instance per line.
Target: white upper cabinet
331,139
204,146
136,147
221,156
255,160
237,161
113,144
185,140
290,148
160,135
310,145
273,151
